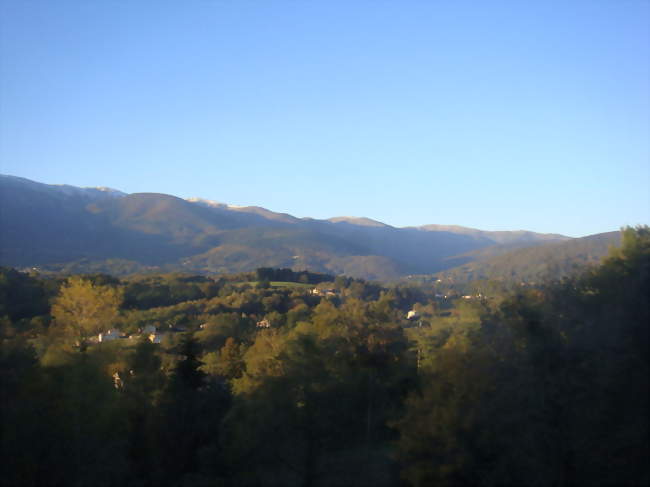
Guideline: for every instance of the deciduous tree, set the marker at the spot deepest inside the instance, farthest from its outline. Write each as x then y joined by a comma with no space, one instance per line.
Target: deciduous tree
85,309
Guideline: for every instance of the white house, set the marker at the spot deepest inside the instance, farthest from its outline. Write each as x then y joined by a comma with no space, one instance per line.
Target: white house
412,315
323,292
110,335
264,324
155,338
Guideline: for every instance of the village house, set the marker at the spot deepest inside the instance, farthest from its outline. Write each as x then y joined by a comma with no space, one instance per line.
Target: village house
155,337
412,315
323,292
108,336
264,324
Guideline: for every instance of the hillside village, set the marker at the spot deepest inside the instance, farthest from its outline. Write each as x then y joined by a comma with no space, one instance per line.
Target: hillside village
177,377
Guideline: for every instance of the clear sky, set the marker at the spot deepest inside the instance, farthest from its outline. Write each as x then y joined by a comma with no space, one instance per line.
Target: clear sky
495,115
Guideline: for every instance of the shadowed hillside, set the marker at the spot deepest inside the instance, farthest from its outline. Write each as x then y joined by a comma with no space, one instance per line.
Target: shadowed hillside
63,228
532,264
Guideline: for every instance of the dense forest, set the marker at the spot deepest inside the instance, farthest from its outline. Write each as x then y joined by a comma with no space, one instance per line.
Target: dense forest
284,378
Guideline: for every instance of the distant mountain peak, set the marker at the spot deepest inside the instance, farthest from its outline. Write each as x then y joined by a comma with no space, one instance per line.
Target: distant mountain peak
207,203
218,204
100,192
88,191
60,225
256,210
108,190
361,221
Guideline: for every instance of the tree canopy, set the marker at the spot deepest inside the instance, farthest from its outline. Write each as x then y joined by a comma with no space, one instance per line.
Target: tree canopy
85,308
226,383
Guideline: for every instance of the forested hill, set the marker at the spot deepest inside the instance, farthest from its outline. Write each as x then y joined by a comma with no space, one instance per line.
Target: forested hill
534,264
66,229
293,379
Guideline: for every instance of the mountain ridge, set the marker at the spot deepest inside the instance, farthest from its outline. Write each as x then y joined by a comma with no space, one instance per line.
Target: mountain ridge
57,225
354,220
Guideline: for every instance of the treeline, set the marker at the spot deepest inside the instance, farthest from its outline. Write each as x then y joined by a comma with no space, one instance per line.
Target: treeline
27,296
260,385
288,275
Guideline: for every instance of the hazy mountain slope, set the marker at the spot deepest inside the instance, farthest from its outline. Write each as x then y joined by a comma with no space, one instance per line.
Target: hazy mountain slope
248,248
266,214
60,190
486,253
164,215
40,223
44,224
536,263
100,228
414,251
501,237
269,215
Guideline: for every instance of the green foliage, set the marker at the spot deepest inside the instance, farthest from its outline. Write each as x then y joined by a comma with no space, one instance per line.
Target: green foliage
544,386
218,328
167,290
288,275
550,390
228,363
60,425
288,405
21,295
85,309
534,264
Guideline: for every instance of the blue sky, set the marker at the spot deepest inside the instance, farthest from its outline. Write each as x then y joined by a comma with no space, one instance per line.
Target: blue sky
495,115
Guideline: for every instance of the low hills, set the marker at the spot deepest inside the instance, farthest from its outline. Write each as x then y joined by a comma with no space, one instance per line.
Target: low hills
64,228
531,264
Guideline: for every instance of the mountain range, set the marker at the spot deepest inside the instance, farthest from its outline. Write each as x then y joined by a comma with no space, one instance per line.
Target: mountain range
62,227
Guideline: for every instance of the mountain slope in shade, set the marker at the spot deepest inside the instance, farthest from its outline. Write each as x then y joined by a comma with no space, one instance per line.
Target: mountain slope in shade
535,263
255,210
50,225
501,237
60,190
